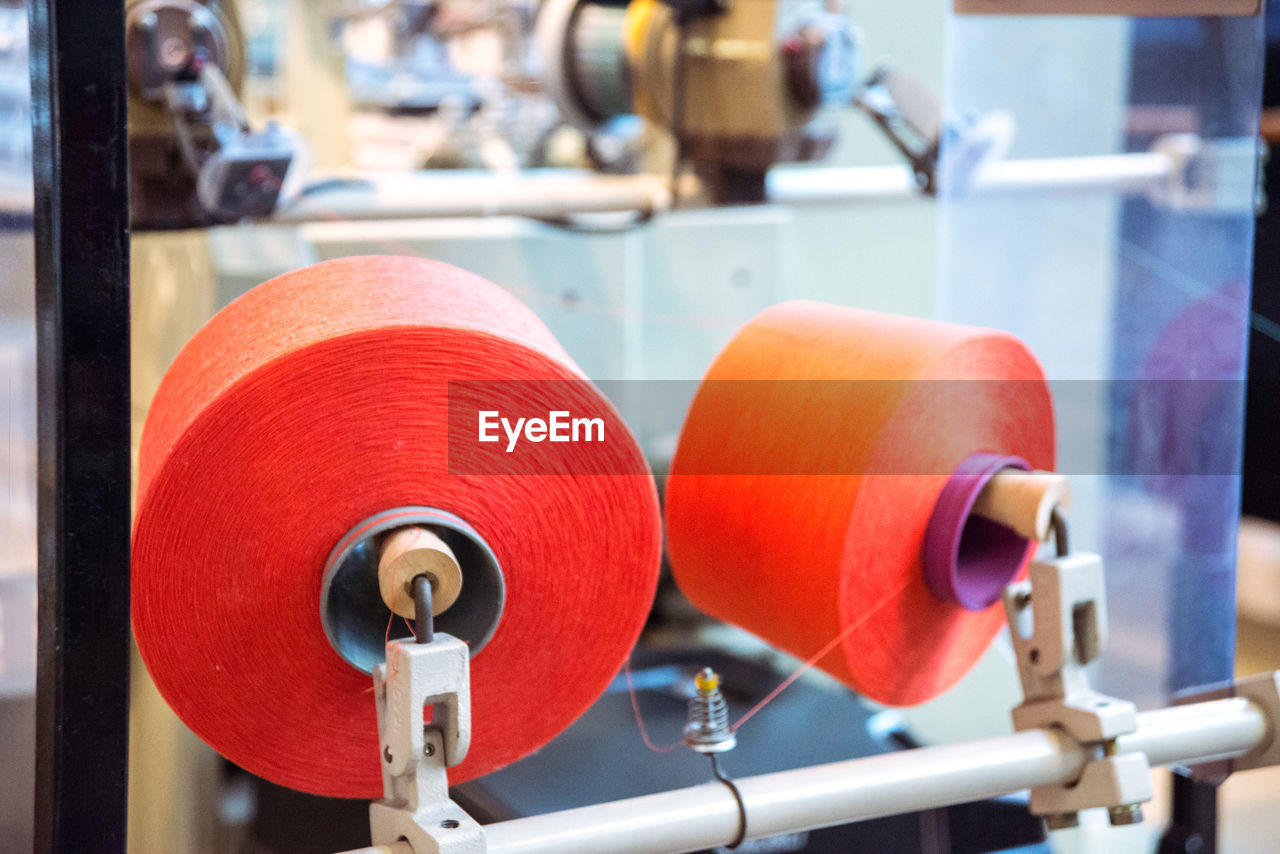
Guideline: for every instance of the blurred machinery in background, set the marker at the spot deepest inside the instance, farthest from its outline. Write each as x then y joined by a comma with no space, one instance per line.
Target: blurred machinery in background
737,85
730,88
194,157
458,78
461,128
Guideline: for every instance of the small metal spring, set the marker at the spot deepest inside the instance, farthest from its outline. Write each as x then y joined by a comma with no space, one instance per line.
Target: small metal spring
707,731
707,728
708,713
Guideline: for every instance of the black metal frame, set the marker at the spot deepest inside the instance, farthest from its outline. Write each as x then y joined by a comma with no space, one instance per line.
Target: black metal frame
82,305
1193,820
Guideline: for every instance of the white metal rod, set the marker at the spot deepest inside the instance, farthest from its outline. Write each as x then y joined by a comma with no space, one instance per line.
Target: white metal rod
1198,732
840,185
1110,172
706,816
557,193
544,194
909,781
1098,173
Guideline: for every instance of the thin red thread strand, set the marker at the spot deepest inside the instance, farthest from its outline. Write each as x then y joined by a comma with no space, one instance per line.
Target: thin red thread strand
804,667
391,618
635,707
813,660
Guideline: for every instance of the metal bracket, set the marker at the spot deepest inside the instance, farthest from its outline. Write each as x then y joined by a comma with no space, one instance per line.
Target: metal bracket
910,116
1058,621
1218,175
944,152
1263,691
417,750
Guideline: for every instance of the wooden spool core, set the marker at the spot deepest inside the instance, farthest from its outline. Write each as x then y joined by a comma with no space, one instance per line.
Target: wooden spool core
1024,500
410,552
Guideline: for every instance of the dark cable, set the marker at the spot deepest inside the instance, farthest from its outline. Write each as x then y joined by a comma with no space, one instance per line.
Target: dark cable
423,621
737,796
1059,526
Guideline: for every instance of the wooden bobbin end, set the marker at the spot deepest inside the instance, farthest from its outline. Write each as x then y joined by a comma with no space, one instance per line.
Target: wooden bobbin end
1024,500
412,551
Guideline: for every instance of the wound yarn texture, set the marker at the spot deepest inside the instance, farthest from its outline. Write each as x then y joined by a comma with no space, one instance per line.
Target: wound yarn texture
313,402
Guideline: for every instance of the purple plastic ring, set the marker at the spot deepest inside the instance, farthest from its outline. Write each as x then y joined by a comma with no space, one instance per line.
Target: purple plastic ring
968,560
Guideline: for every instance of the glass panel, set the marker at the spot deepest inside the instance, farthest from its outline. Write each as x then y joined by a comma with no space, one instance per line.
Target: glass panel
1129,277
1114,236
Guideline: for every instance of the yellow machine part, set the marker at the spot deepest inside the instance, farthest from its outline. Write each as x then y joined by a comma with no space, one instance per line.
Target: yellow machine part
737,105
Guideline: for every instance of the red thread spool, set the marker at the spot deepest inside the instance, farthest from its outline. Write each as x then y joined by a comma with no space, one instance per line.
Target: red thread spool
318,400
807,471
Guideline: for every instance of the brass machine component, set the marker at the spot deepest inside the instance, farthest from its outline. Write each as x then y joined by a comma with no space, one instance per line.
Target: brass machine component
737,82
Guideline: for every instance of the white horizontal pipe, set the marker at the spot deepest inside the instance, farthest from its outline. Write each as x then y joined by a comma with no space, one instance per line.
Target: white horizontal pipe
789,801
541,193
1109,172
706,816
1199,732
839,184
557,193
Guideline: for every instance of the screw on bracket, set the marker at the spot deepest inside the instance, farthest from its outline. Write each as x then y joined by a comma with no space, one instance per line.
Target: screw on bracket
1126,814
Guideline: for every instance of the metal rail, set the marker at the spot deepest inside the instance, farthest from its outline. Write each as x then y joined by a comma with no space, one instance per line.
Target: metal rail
557,193
706,816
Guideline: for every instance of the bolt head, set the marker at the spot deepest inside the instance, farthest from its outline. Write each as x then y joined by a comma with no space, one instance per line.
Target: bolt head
707,680
1124,815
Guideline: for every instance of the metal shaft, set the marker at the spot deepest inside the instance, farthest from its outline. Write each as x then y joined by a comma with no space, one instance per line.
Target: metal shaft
424,624
550,193
707,816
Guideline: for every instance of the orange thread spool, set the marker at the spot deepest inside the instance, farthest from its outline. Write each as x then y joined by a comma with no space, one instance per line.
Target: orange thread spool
316,401
806,473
